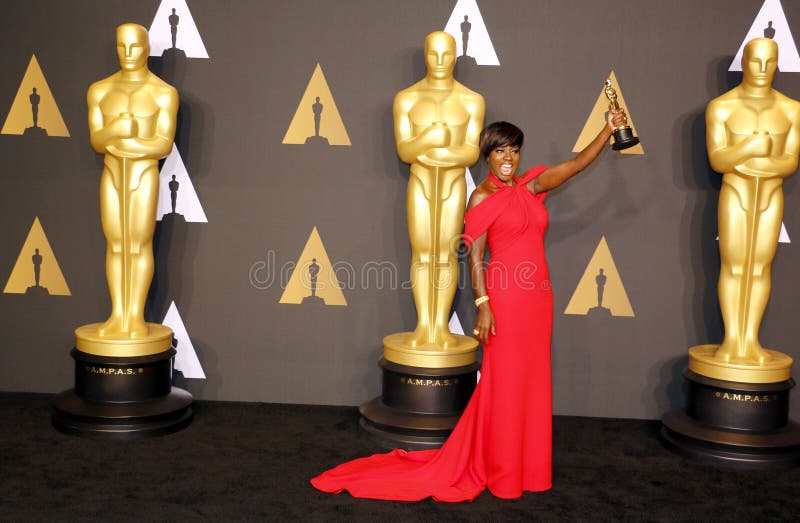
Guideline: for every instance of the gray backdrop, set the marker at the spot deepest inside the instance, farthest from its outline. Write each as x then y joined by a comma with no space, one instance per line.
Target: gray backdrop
657,211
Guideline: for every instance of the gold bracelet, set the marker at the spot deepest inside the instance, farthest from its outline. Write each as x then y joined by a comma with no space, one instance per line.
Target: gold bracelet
480,300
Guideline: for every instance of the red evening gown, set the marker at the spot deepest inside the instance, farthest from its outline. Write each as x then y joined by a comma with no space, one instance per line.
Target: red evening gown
503,439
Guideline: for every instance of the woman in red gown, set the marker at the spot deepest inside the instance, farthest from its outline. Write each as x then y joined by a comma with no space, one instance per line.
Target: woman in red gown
503,440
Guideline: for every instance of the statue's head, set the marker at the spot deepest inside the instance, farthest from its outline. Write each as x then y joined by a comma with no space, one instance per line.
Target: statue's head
759,62
133,47
440,54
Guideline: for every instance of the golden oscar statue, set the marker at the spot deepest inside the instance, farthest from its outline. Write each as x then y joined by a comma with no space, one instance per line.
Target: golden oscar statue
753,139
437,124
132,120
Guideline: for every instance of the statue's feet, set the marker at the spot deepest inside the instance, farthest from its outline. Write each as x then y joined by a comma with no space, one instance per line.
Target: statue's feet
757,353
445,339
726,352
420,336
752,353
112,327
442,338
138,328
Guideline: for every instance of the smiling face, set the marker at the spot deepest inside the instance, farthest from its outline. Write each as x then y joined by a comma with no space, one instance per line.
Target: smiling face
759,62
500,144
503,162
133,47
440,55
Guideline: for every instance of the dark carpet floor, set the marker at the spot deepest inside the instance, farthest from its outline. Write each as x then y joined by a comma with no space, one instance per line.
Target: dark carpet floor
248,461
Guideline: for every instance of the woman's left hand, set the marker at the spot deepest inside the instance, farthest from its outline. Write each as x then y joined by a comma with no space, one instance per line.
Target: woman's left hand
616,118
484,324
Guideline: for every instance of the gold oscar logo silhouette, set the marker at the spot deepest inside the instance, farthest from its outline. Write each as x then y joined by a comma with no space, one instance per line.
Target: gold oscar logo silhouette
34,111
600,291
36,271
313,280
317,120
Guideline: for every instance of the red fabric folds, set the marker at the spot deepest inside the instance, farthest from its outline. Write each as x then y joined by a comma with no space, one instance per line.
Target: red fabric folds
477,222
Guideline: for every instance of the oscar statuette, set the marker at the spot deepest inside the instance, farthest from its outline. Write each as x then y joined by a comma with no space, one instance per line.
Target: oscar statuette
623,135
123,367
738,391
429,374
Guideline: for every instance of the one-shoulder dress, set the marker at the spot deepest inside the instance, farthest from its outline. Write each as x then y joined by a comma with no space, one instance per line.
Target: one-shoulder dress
503,439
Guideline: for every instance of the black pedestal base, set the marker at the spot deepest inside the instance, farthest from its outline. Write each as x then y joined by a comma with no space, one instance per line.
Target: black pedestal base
122,398
739,425
774,450
624,139
80,417
409,430
419,406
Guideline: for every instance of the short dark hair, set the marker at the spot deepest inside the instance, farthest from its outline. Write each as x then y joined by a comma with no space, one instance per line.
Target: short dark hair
500,134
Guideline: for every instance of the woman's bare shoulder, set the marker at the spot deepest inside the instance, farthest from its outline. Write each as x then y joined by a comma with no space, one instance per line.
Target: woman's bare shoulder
480,193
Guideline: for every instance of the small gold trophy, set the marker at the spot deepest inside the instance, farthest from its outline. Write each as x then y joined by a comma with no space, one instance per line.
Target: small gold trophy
623,136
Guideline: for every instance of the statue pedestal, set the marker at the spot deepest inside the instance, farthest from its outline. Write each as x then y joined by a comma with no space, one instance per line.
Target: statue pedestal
36,131
624,139
125,396
742,421
317,140
424,393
